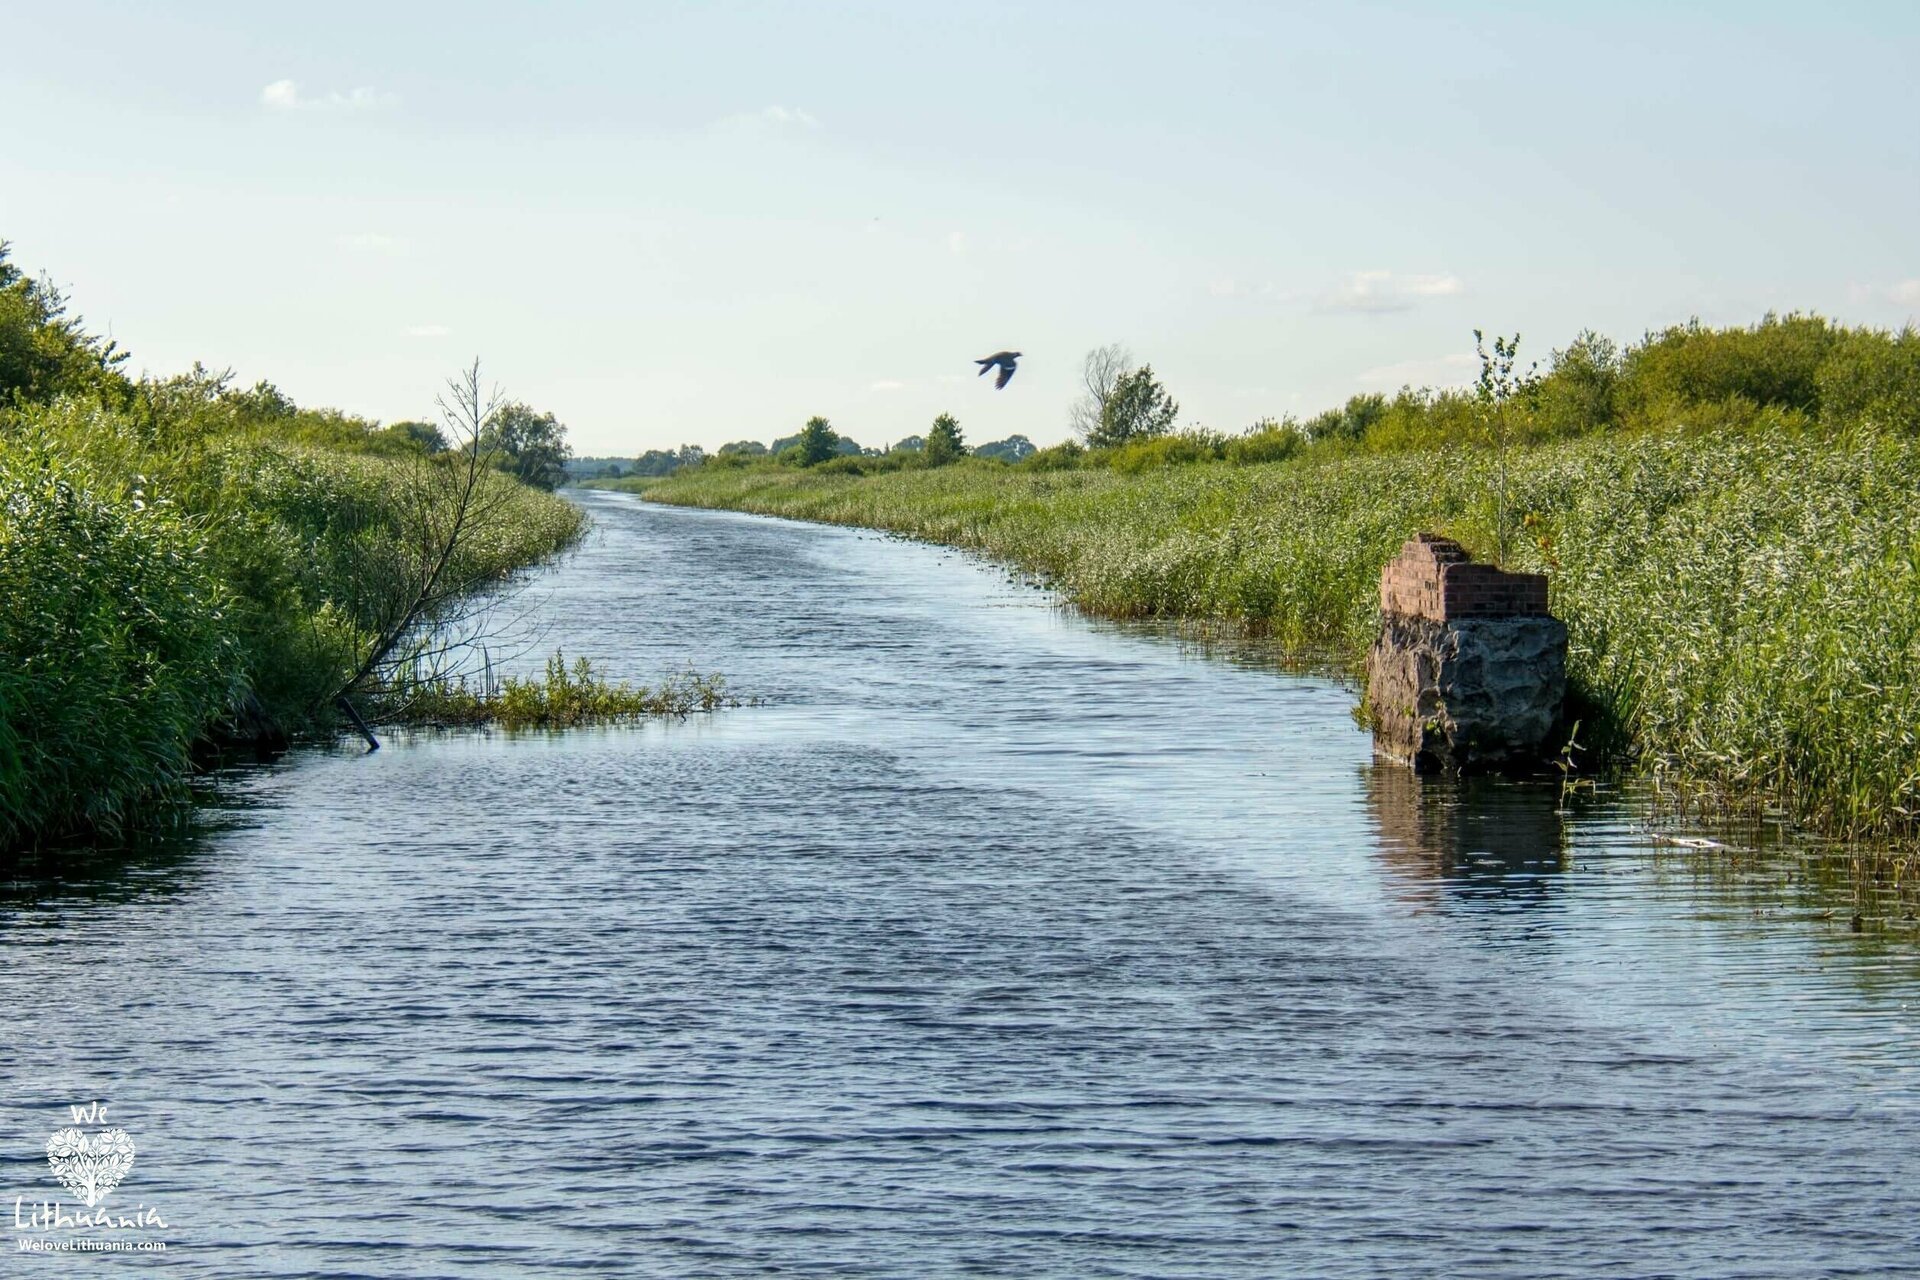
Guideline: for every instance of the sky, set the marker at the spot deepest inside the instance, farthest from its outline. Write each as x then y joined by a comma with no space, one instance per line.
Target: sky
697,223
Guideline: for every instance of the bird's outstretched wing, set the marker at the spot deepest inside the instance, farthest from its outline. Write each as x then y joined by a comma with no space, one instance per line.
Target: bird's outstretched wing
1006,375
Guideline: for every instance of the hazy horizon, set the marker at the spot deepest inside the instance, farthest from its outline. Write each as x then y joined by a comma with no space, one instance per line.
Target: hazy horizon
674,224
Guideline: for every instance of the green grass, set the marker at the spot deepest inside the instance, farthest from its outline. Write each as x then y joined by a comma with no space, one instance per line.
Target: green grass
1744,602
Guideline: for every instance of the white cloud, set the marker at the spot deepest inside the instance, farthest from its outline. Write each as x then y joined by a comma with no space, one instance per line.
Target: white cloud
886,384
1455,370
285,95
768,120
1375,292
956,242
427,331
1905,293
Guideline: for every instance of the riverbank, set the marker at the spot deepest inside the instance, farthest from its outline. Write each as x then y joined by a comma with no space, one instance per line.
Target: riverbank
1744,601
188,565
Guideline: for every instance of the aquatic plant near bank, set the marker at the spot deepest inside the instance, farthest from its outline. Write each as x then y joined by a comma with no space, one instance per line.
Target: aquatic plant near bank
566,697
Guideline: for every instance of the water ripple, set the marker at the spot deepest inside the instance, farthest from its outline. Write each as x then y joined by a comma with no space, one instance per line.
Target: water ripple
995,943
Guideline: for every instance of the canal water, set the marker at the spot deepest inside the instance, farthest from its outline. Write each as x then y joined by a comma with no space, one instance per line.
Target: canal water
992,942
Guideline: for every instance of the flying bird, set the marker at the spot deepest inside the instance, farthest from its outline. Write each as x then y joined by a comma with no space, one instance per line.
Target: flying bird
1004,359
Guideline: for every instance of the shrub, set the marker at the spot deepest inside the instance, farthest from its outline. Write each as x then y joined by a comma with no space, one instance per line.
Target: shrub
1060,457
1425,419
1775,362
1581,391
1165,451
1265,441
113,650
1350,422
1874,378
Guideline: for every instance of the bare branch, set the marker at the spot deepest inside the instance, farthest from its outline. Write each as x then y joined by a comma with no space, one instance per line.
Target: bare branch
1100,373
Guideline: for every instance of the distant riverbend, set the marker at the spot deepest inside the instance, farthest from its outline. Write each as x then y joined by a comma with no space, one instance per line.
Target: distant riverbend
1743,604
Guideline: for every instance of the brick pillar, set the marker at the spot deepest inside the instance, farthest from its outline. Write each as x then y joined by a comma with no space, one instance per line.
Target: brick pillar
1470,670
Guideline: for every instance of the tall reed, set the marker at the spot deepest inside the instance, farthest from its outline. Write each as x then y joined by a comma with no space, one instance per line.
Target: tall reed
1744,604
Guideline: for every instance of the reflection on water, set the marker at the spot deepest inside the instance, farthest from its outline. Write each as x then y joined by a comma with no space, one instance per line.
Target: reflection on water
1468,838
165,855
995,943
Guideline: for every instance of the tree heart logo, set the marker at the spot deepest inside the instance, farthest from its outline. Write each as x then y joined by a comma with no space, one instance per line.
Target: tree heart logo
90,1164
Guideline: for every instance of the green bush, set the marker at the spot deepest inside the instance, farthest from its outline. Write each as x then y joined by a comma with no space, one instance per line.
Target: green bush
323,548
1582,391
290,560
114,651
1349,423
1872,378
1267,441
1164,451
1425,419
1800,368
44,352
1774,363
1060,457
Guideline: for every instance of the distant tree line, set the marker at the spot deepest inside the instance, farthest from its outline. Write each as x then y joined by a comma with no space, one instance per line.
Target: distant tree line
654,462
815,444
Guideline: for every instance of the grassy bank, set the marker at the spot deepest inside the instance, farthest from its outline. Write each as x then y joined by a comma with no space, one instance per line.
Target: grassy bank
1741,580
183,560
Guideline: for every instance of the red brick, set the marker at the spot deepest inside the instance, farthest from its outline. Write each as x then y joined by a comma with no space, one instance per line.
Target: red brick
1433,577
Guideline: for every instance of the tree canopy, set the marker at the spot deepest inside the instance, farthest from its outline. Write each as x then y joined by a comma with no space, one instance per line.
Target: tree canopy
1012,449
44,352
1138,408
818,442
944,441
531,446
